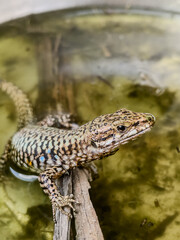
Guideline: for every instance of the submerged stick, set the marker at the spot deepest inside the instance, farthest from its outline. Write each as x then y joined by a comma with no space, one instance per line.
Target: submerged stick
86,222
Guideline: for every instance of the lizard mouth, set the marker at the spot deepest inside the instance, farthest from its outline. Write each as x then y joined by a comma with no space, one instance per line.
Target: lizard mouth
134,136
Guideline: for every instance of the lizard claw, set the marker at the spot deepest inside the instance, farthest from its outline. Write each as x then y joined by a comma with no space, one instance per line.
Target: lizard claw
63,201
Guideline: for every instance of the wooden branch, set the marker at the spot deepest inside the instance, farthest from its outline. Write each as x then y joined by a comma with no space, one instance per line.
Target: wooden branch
62,228
86,221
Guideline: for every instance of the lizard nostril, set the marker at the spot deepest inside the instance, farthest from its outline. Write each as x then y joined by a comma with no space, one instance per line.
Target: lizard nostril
151,118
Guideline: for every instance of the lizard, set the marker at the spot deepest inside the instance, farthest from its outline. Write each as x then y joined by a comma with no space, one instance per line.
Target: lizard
54,145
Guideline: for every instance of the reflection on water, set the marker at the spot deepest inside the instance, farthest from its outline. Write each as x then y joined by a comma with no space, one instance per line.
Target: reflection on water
93,64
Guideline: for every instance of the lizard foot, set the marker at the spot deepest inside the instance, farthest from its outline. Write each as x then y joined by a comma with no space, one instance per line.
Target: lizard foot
60,202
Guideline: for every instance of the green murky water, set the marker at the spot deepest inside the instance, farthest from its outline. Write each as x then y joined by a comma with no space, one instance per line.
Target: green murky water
106,61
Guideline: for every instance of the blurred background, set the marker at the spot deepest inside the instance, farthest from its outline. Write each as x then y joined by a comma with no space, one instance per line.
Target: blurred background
91,58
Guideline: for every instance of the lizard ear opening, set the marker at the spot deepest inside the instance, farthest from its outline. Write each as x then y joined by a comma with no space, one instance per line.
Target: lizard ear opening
93,143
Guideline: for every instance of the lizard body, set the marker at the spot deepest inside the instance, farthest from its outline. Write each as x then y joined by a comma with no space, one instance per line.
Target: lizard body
51,151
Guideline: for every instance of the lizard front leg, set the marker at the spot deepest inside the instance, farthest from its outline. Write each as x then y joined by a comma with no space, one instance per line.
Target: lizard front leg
47,182
60,120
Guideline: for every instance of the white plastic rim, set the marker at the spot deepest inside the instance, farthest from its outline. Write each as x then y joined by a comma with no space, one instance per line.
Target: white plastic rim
13,9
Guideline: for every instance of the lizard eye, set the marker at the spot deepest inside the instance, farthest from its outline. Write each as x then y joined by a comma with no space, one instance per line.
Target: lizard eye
121,128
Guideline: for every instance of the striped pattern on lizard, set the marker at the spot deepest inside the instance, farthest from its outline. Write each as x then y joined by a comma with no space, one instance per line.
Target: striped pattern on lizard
46,149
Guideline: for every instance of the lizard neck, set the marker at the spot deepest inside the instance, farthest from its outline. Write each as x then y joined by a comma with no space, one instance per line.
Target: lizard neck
83,146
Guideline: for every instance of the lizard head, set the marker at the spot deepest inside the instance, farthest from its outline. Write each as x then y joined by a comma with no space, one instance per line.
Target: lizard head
108,132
